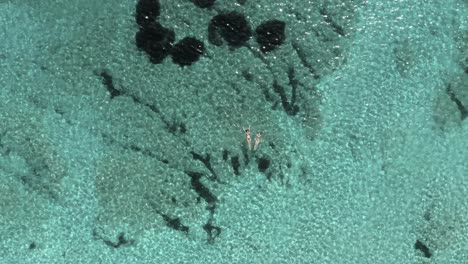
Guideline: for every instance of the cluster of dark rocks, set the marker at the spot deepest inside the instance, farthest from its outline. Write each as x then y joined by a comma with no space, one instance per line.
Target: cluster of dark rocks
158,41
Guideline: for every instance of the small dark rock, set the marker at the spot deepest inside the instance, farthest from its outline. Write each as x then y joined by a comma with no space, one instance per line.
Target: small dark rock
204,3
32,245
263,164
423,248
232,27
270,34
147,11
235,164
156,41
225,155
187,51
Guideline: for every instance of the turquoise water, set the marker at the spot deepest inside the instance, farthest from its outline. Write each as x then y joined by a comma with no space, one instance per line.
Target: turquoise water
106,157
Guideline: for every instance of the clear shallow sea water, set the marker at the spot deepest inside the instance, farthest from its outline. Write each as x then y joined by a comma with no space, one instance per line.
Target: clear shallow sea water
106,157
